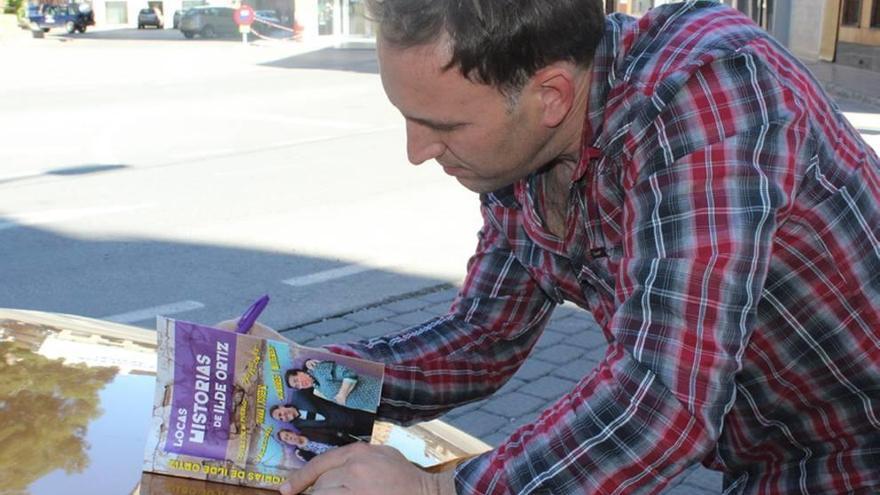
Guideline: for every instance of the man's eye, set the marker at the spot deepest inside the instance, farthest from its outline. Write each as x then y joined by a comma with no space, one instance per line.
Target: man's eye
447,128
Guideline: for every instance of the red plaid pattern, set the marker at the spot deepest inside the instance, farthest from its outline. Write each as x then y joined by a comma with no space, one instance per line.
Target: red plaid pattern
724,230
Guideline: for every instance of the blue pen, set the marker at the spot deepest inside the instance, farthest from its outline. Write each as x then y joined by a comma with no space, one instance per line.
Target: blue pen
250,316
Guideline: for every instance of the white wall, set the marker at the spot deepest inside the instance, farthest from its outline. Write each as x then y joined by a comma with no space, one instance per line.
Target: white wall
805,28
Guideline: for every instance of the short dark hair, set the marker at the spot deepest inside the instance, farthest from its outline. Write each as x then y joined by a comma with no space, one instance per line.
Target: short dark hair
501,43
292,372
278,406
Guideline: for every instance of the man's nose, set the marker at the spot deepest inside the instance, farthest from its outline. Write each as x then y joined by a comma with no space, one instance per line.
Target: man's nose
422,143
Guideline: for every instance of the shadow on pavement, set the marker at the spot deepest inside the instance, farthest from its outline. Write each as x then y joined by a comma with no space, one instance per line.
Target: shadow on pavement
350,58
133,34
105,276
92,168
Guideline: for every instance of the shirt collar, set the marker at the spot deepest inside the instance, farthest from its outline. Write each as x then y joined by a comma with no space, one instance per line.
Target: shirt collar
601,79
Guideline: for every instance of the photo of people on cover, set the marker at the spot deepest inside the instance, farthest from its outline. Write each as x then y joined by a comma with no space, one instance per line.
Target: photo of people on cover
324,401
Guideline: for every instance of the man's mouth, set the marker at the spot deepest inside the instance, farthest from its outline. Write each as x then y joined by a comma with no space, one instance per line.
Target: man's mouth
453,171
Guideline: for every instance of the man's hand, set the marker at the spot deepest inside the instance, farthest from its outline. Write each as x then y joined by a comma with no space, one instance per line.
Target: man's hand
364,469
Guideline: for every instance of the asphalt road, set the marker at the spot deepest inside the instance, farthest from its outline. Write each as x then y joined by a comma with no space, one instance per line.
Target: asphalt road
141,173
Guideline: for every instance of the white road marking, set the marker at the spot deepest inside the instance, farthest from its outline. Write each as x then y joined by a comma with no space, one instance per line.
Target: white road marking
864,121
326,275
148,313
14,220
307,122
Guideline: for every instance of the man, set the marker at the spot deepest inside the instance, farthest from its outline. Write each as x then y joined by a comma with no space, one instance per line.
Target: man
686,180
305,411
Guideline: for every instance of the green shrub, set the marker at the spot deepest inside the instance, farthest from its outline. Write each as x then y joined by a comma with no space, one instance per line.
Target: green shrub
13,6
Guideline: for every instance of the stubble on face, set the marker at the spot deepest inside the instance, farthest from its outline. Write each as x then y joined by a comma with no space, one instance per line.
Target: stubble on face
481,136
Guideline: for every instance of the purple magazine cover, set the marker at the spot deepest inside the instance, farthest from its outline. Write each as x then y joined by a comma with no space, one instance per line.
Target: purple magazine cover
224,410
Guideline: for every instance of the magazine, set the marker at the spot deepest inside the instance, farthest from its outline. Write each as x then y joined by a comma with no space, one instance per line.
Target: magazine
246,409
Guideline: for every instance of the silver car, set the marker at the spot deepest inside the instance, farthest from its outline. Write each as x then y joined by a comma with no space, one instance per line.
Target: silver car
208,22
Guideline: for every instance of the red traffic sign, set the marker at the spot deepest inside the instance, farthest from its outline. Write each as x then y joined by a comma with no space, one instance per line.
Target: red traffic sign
244,15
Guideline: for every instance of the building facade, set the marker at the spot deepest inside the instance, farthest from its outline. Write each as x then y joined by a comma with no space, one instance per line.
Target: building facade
846,32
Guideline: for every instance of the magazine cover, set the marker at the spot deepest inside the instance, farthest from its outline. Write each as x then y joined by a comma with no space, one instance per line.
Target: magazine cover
246,410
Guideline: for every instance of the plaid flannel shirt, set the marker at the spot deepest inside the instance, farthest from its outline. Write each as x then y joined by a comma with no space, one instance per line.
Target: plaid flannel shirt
723,228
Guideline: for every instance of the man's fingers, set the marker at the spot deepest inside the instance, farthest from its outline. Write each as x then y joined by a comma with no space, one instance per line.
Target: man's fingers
332,479
306,476
338,490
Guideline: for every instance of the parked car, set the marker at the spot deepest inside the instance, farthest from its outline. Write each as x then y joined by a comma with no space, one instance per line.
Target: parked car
208,22
178,14
267,15
175,22
72,17
150,17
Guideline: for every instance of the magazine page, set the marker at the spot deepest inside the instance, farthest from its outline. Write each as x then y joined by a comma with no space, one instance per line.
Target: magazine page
245,410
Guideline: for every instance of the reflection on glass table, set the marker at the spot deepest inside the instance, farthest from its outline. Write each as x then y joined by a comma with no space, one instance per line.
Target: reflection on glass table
75,407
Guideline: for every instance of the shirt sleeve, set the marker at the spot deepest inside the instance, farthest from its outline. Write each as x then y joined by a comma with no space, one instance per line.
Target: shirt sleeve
468,353
700,208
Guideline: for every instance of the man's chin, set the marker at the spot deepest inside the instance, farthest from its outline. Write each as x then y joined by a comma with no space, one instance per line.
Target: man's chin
480,186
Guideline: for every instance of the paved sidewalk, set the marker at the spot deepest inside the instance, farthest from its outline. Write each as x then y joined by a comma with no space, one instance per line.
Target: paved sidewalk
572,344
847,82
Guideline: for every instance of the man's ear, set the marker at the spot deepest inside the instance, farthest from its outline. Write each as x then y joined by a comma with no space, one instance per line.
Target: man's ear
555,86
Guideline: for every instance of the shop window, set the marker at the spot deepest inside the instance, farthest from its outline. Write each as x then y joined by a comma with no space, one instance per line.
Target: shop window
117,12
852,10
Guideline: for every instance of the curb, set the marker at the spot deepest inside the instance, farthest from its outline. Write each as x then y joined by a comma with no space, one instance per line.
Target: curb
838,91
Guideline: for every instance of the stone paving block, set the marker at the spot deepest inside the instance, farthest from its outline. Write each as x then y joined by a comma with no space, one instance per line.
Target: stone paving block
534,368
565,311
559,354
377,329
405,305
549,388
518,421
412,318
511,386
704,478
685,490
479,423
369,315
439,309
513,404
440,296
597,354
575,370
324,340
465,409
576,323
550,338
588,339
495,439
326,327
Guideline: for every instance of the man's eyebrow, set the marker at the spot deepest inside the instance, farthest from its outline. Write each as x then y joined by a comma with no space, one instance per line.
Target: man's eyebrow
433,124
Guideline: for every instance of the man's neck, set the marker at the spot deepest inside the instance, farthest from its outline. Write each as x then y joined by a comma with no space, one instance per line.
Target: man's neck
571,130
560,169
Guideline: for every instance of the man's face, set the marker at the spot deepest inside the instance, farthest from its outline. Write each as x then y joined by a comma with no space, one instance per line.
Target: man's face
300,380
285,413
470,129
